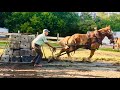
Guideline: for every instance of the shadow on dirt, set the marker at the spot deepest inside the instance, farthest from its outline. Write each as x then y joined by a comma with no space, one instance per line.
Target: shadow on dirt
57,68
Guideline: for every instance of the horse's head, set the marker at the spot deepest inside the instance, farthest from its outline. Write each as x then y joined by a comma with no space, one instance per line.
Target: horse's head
108,32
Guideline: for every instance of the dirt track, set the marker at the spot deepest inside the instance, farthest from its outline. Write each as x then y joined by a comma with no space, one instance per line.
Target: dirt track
61,69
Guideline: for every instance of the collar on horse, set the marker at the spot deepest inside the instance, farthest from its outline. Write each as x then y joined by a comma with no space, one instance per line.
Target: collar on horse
95,36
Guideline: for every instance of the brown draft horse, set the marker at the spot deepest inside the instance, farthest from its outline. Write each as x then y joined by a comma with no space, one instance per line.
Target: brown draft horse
90,41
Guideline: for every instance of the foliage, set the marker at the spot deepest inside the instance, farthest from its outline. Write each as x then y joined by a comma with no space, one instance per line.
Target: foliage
64,23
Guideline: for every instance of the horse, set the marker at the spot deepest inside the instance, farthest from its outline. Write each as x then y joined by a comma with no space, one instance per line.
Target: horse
116,43
63,42
91,41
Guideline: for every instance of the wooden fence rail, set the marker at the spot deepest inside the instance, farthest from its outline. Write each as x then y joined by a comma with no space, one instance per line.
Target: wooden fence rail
48,37
54,38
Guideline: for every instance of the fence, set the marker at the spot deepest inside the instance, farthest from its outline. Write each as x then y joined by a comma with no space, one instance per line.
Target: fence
54,38
48,37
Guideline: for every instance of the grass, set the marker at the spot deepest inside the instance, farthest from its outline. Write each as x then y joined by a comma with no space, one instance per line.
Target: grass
2,44
108,49
54,44
103,53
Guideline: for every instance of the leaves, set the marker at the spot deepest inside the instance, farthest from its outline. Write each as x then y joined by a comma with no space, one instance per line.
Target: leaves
64,23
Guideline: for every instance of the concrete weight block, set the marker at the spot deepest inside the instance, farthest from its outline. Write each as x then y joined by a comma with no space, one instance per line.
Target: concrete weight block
17,41
5,58
15,38
31,38
14,45
8,51
16,59
25,52
24,38
25,45
27,58
16,53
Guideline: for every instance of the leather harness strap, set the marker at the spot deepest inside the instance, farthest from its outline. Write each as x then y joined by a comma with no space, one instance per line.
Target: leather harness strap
97,39
88,43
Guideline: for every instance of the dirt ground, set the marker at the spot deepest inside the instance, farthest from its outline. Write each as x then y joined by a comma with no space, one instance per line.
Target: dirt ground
61,69
104,64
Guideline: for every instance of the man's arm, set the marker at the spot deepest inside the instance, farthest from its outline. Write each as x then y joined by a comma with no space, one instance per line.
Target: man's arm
46,42
50,46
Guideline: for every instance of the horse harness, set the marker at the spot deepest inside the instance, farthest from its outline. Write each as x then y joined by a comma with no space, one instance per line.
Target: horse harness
88,43
97,39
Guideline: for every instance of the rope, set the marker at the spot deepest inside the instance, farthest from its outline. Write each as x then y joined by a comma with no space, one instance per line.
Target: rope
51,51
43,52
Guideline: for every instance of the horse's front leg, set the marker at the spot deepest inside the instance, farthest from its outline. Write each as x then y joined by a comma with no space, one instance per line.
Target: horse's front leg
118,47
113,47
91,54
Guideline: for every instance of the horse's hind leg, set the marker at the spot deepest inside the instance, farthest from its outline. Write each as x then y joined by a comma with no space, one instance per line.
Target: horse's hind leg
68,53
61,51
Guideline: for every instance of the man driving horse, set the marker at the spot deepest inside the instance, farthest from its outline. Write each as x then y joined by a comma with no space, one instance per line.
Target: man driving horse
37,43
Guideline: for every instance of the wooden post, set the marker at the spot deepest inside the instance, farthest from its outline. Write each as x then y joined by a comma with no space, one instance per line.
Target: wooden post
57,36
18,31
37,33
95,28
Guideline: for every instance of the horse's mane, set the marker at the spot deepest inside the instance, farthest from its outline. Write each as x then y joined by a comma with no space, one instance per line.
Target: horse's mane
106,28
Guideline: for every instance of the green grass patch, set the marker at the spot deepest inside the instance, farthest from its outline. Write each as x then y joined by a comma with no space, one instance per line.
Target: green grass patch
108,49
54,44
2,44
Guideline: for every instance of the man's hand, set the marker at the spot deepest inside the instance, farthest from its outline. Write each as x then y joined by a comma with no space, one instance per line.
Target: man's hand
54,49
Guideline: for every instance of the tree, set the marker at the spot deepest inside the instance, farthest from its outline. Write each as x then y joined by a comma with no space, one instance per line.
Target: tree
86,23
65,23
3,16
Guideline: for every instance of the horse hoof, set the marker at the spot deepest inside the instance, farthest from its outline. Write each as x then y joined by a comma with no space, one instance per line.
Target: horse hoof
50,59
86,60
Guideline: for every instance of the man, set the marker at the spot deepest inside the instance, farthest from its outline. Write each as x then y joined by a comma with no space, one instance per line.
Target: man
36,44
